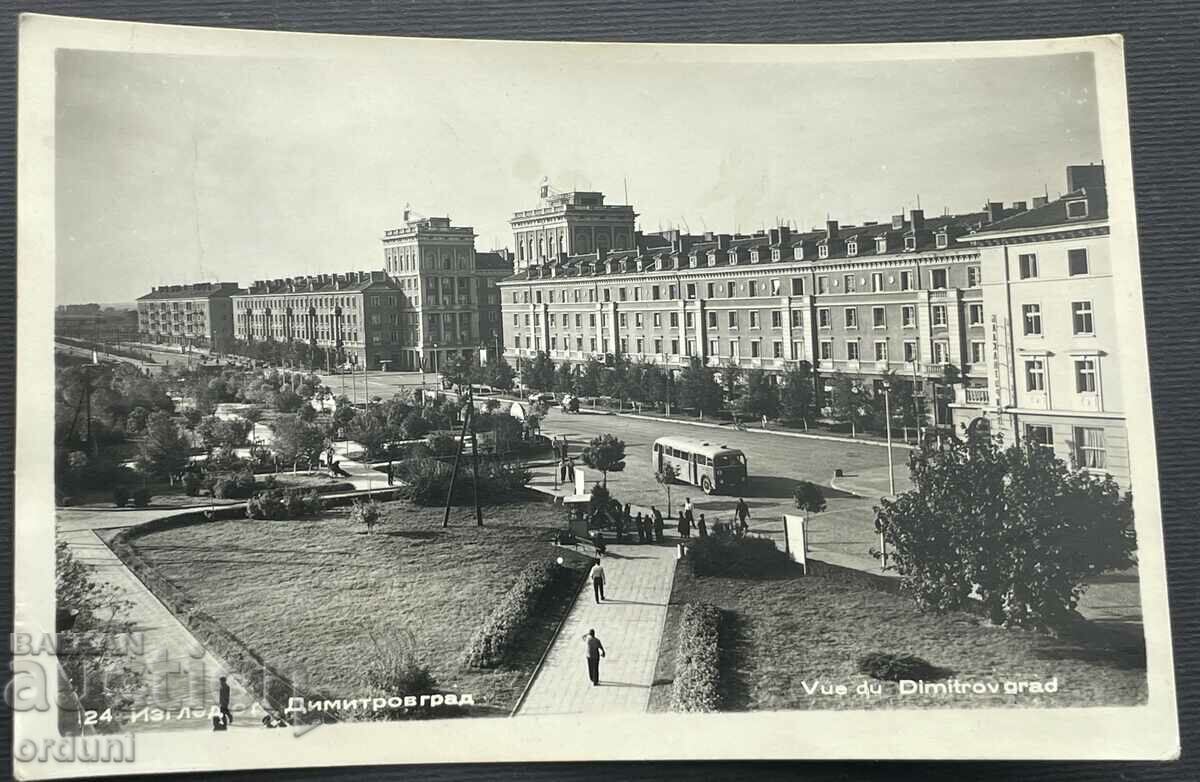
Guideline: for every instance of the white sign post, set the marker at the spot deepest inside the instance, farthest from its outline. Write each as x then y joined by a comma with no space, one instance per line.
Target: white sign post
795,539
579,480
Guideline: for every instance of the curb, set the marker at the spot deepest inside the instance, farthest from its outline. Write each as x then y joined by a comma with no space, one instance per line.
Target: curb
748,430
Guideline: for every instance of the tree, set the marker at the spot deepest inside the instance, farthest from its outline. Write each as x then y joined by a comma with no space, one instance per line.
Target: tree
796,394
565,378
808,497
665,476
653,382
539,375
457,369
761,399
164,450
252,413
1015,526
287,401
849,402
591,378
614,381
136,420
697,388
370,432
308,414
295,440
501,375
731,375
605,453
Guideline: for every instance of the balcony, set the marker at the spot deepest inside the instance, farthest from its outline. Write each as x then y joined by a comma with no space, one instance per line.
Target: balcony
970,396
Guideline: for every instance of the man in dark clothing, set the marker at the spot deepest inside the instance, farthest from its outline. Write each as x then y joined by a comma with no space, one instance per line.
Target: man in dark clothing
640,523
742,512
223,700
595,650
658,524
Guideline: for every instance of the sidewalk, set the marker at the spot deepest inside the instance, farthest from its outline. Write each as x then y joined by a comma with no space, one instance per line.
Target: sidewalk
181,673
629,624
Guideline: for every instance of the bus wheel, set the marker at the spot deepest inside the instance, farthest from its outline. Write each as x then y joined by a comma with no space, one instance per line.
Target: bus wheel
706,485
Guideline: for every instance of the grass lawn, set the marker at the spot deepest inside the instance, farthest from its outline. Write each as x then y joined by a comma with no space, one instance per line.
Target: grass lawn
307,595
786,629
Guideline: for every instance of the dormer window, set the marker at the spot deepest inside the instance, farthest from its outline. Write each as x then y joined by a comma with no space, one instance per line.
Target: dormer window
754,256
881,244
852,247
910,243
943,240
712,257
798,252
733,257
823,251
1077,209
775,255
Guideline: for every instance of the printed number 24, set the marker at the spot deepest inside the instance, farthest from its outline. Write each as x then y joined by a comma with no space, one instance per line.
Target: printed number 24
90,717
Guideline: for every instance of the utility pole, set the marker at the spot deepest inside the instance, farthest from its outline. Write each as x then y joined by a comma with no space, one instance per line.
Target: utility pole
474,457
454,473
887,417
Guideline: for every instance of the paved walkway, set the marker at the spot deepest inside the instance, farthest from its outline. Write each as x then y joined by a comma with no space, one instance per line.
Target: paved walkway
629,624
181,672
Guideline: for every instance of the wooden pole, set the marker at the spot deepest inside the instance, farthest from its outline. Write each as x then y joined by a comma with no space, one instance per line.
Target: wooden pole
474,459
454,473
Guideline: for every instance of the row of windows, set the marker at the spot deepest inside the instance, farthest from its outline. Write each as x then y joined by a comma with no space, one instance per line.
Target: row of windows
1083,319
346,302
404,259
848,283
1087,449
1085,372
1078,264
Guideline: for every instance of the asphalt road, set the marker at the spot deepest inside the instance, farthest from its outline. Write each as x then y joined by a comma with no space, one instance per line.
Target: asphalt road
377,384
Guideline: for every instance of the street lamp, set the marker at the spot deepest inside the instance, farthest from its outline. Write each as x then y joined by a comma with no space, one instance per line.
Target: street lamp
887,417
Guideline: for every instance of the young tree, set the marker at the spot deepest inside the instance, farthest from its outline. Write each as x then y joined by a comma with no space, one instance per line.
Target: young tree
850,402
287,401
369,431
605,453
539,374
1016,526
665,476
591,378
564,378
796,395
457,369
295,440
653,382
135,422
164,450
809,498
697,388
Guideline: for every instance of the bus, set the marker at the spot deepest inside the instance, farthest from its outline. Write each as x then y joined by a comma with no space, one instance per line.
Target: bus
714,468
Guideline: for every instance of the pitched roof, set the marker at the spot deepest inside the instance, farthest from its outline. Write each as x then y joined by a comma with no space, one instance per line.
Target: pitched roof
324,283
1052,214
199,290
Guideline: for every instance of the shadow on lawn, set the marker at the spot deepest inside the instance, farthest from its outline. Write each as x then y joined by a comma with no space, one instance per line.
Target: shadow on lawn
735,684
1119,644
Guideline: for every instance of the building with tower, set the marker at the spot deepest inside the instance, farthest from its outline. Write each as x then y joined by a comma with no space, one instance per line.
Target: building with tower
571,223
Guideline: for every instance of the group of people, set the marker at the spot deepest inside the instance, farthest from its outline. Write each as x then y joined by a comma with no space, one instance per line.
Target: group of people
689,521
648,527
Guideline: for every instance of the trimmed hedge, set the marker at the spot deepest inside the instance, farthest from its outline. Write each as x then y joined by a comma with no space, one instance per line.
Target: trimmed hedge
698,660
499,633
744,557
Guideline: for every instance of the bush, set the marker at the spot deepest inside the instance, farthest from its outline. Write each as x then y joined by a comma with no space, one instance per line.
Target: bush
366,513
745,557
894,667
141,497
232,486
120,496
265,505
426,481
697,659
442,444
500,632
393,668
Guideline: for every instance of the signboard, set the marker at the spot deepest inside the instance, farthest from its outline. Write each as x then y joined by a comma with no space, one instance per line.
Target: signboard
483,357
579,480
795,539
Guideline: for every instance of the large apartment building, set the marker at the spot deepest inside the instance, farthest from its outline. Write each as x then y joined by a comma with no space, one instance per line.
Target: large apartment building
199,315
903,296
1052,352
450,290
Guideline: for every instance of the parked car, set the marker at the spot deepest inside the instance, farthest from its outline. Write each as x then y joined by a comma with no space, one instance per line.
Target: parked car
542,396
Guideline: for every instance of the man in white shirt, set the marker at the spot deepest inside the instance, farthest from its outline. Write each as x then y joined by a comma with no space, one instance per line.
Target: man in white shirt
597,576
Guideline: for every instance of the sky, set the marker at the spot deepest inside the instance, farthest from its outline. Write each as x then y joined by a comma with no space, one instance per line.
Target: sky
179,169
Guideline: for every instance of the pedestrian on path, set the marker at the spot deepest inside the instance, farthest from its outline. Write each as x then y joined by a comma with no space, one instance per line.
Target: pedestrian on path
685,527
648,525
701,529
658,524
640,523
597,576
223,700
742,512
595,650
571,469
687,510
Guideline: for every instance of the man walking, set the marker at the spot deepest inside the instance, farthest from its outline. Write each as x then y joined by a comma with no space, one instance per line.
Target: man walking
742,512
597,576
595,650
223,700
658,524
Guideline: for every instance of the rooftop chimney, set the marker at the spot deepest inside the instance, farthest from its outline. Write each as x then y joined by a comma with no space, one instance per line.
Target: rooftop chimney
917,218
723,241
897,222
1040,201
1085,177
785,234
1020,206
773,236
995,210
831,229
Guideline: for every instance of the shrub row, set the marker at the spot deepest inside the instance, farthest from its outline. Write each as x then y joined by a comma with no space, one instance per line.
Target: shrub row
745,557
697,659
283,504
501,630
426,480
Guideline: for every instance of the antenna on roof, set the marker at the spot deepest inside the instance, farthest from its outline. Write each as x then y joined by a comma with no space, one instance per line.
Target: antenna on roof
626,181
918,200
683,220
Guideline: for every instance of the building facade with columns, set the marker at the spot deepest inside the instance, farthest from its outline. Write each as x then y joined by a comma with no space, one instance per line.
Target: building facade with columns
903,296
573,223
198,315
1053,349
450,290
